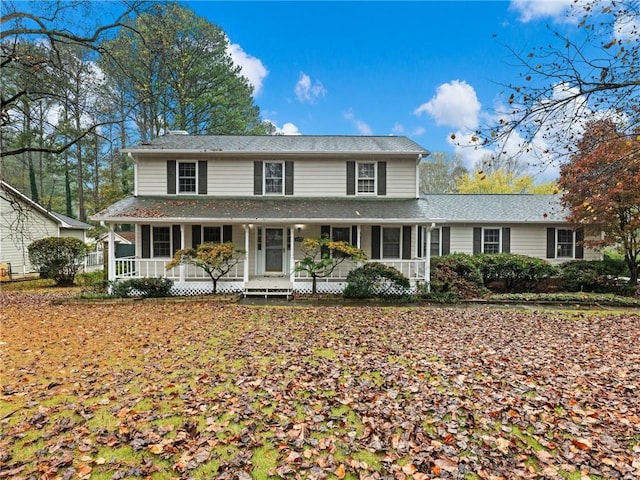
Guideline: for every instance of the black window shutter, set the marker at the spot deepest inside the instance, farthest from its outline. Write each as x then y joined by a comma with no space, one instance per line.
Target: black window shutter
202,177
375,242
171,177
227,233
145,230
351,178
477,240
325,232
406,242
257,178
551,242
354,235
196,235
445,238
288,178
579,246
506,240
177,238
419,240
382,178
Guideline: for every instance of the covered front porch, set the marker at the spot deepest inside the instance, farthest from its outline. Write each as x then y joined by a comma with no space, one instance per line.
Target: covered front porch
271,233
190,280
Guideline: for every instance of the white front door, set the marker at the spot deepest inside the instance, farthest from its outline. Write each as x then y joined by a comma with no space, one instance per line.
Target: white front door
274,250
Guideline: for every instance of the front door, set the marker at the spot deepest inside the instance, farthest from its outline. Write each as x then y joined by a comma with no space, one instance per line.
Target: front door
274,250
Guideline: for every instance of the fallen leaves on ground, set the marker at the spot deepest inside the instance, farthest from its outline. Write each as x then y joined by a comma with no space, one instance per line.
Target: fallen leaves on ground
204,390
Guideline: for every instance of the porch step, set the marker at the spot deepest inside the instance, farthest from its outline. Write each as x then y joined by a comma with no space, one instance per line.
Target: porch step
268,288
268,292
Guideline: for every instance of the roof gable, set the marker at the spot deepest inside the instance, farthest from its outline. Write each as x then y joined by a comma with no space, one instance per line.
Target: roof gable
62,220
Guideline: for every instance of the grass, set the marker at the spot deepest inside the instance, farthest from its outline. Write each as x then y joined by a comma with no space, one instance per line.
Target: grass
201,390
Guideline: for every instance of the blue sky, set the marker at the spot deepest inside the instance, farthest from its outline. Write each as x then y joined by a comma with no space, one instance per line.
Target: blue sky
424,69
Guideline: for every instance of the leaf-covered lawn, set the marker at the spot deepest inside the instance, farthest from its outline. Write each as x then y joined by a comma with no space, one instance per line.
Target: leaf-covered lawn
204,390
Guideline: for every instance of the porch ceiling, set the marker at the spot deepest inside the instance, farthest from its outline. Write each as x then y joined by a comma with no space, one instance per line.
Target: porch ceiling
196,209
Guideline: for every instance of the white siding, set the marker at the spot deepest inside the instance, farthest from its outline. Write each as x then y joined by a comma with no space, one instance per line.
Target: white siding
327,178
530,240
312,178
230,178
401,179
152,177
17,232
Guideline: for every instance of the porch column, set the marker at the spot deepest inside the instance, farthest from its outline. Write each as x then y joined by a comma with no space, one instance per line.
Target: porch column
182,269
245,273
111,264
359,234
292,261
427,269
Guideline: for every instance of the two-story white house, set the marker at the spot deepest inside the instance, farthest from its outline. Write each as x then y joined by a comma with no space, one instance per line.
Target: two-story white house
266,193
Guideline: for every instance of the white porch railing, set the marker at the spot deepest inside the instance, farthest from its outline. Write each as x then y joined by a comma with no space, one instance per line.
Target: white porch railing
132,267
412,269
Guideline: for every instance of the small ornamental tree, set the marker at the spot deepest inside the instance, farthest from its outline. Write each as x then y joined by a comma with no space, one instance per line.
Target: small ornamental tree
601,191
217,259
322,256
60,257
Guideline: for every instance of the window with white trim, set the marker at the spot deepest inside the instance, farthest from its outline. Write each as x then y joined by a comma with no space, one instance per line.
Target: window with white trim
211,235
391,242
491,240
161,241
565,242
366,177
273,178
187,177
435,246
340,234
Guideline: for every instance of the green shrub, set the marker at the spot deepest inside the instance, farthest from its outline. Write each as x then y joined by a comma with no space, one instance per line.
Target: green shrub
518,273
92,281
148,287
436,293
457,273
589,276
58,258
375,279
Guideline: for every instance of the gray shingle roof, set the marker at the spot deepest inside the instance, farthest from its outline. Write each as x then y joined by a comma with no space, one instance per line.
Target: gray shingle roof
430,208
282,144
505,208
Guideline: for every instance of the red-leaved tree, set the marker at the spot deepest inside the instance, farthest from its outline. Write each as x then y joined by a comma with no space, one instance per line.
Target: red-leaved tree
601,185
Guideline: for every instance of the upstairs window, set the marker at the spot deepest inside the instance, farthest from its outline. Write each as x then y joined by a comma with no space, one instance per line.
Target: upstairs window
366,178
187,177
273,178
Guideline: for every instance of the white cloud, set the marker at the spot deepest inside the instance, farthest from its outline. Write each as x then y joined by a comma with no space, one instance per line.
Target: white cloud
286,129
530,10
289,129
362,127
627,27
251,67
306,91
455,104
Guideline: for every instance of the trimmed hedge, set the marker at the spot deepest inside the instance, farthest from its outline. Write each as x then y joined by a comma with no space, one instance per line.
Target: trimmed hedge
375,279
517,273
149,287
